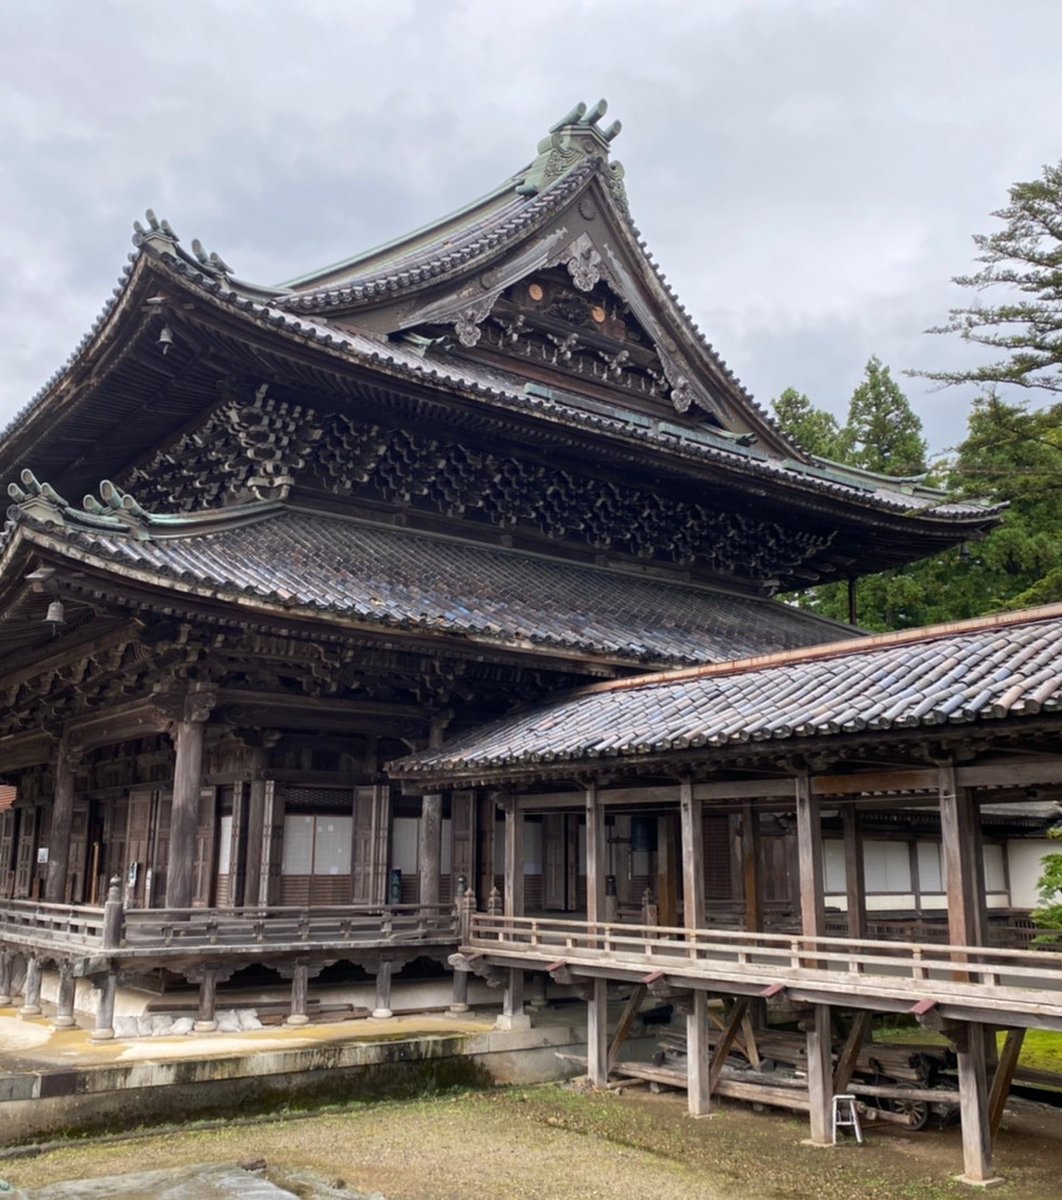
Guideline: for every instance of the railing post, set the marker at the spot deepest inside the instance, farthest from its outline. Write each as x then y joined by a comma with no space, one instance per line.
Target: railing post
494,909
466,906
113,915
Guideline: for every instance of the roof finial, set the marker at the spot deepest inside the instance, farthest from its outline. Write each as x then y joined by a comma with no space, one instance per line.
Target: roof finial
574,138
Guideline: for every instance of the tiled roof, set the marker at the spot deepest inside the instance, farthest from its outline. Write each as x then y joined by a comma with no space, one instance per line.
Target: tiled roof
319,564
421,264
968,672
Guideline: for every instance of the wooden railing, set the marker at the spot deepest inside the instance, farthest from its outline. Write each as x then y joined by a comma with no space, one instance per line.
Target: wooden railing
829,962
59,922
115,928
338,925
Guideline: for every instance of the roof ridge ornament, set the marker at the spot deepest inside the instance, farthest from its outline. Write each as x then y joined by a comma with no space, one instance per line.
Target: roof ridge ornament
160,236
575,137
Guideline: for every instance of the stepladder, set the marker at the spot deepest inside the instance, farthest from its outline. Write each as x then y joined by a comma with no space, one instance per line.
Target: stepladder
845,1115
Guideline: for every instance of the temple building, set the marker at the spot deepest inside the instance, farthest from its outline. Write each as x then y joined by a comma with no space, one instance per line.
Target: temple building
337,523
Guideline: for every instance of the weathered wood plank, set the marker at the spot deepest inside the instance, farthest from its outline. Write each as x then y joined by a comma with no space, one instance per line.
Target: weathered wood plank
1003,1078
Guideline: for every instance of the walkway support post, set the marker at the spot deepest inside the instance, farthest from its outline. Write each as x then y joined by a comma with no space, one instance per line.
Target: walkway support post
973,1103
597,1033
698,1056
813,925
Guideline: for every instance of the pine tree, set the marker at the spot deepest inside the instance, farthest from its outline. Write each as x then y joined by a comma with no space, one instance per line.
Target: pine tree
882,432
1025,259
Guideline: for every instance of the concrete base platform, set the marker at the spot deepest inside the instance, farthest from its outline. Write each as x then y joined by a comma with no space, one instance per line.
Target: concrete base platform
59,1080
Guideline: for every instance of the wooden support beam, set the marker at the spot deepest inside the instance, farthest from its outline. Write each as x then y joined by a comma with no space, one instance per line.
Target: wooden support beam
963,873
382,1000
596,857
973,1105
692,816
857,1035
626,1021
667,870
809,852
429,855
67,761
205,1020
752,868
514,861
854,874
1003,1078
108,991
188,736
597,1034
698,1056
820,1074
736,1019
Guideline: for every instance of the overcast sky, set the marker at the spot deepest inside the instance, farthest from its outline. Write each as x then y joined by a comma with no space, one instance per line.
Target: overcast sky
808,173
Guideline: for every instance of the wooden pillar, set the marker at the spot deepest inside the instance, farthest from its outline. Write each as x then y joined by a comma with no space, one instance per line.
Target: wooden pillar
272,845
813,924
254,791
459,1002
108,989
31,991
809,852
382,1003
188,737
596,858
64,1000
597,1033
698,1056
692,815
67,761
854,874
820,1074
751,868
667,870
962,871
973,1104
6,965
514,859
206,1021
513,1015
300,994
430,848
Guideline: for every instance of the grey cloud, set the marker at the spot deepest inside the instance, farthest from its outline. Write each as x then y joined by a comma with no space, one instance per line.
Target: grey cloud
807,173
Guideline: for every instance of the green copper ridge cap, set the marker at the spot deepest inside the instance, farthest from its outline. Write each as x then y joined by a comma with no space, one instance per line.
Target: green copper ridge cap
575,136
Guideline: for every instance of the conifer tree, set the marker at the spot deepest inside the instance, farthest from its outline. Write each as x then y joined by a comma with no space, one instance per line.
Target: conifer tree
813,429
882,432
1024,259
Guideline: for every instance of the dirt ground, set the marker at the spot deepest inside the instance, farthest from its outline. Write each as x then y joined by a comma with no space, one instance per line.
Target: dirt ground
558,1142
